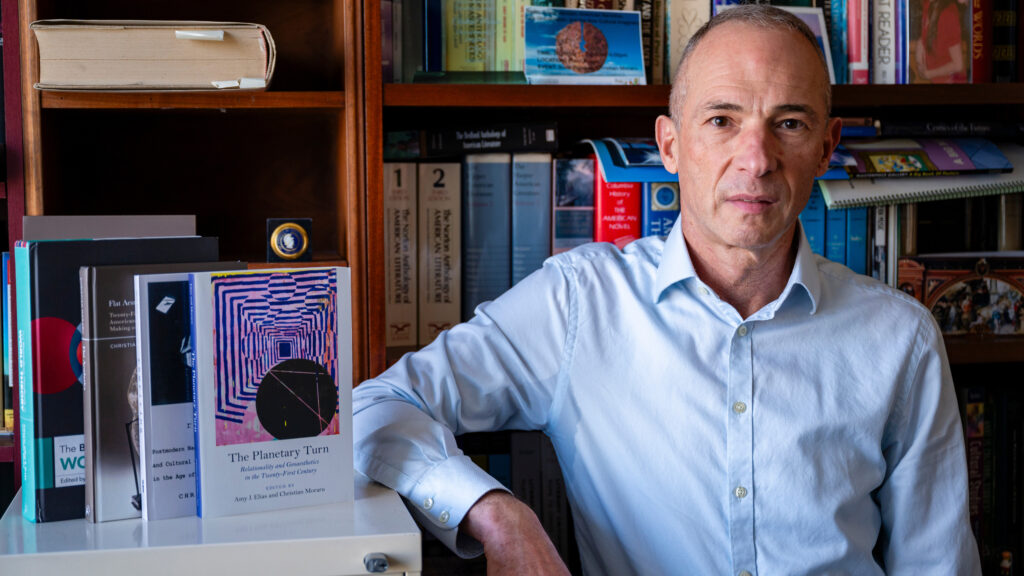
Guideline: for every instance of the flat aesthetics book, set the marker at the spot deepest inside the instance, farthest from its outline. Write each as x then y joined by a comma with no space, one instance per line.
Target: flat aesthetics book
50,371
272,389
908,157
163,353
112,490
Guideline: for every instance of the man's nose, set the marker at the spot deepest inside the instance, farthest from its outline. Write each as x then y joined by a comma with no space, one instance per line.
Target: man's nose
757,150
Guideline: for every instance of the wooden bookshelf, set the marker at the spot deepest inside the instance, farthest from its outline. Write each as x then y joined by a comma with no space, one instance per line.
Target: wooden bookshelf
984,350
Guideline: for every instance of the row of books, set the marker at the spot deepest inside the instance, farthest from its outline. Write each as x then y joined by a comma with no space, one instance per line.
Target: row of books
461,233
865,41
157,381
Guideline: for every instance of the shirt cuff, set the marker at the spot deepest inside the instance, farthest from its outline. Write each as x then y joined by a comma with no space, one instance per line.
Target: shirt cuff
442,497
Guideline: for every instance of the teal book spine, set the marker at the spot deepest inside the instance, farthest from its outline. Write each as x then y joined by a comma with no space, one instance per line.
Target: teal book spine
857,239
531,215
835,235
486,228
26,418
813,220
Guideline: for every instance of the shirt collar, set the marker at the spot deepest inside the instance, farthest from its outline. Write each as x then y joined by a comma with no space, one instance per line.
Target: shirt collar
676,266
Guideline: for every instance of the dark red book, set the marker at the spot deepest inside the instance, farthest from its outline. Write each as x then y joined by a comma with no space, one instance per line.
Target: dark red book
981,41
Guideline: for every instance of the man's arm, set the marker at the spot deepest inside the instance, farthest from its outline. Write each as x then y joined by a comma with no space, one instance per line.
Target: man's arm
514,540
923,501
499,371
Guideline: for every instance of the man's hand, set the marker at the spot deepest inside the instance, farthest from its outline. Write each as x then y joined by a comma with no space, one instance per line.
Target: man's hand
514,541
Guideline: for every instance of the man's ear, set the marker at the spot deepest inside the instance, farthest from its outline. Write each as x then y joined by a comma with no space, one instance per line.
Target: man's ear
832,133
665,132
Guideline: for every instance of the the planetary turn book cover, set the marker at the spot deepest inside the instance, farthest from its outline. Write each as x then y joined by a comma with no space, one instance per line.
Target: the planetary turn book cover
272,389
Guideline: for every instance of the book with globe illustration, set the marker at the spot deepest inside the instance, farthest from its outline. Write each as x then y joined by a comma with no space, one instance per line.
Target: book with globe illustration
272,389
575,46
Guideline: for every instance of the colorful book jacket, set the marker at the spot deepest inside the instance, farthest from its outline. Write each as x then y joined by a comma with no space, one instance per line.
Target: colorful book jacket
660,207
50,387
486,229
531,215
570,46
272,389
572,222
616,211
899,157
440,248
400,274
112,447
163,350
938,31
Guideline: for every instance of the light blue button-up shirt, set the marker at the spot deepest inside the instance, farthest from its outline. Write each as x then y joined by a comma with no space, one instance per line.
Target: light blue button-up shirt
694,441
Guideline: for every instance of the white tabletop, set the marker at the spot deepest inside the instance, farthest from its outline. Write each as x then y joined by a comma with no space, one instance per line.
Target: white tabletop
330,539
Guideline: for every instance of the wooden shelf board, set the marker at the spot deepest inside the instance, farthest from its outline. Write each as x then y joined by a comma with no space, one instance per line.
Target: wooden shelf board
525,96
984,350
318,260
193,100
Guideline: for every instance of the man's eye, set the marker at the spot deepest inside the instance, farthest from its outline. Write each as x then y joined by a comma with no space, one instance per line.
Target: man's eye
791,124
719,121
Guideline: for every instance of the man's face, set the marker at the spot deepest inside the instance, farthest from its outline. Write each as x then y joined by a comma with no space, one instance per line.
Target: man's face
752,135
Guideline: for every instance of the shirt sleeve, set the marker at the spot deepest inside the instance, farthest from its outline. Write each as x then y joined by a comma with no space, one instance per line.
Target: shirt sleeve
923,500
499,371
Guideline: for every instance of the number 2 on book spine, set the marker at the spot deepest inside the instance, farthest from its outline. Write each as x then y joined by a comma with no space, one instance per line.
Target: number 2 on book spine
439,183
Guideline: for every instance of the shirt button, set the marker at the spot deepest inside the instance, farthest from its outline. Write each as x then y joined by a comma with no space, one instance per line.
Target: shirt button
742,331
444,517
428,503
744,573
740,492
704,291
739,407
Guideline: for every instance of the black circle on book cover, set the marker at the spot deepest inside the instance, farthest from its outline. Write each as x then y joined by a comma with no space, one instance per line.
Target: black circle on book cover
297,398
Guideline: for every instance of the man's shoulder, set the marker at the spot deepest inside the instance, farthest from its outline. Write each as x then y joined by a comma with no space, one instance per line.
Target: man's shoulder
601,256
847,288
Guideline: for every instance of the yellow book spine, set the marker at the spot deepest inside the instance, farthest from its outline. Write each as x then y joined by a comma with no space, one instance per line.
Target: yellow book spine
467,35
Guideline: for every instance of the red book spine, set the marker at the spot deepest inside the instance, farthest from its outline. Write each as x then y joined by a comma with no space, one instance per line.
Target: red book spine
981,41
616,210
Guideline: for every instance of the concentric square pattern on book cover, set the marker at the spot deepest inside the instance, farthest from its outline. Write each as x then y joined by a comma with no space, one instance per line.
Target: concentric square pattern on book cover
276,356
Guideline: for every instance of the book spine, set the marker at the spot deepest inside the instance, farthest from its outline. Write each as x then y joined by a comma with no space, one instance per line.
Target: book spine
26,395
981,41
504,31
486,229
433,39
413,40
142,396
883,60
858,47
387,46
196,319
838,37
524,451
857,239
658,42
398,47
555,505
400,253
685,17
572,221
466,29
660,201
835,235
531,216
616,210
1004,40
519,29
89,399
646,30
539,137
879,246
439,229
9,332
812,218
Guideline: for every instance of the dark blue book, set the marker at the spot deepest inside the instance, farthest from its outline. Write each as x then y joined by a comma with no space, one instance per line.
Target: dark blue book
857,239
433,40
660,207
813,220
835,235
486,229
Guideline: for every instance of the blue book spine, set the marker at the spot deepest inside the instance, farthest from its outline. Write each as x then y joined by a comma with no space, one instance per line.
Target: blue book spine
660,207
813,220
837,41
195,391
835,235
531,216
573,203
26,400
433,41
857,239
486,229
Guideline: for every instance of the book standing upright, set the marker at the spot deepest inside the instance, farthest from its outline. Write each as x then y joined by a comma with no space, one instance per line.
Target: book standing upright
272,389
